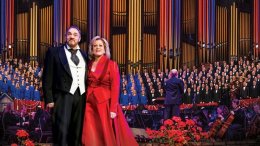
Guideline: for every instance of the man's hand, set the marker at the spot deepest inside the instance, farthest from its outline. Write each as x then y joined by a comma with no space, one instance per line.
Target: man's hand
49,106
112,115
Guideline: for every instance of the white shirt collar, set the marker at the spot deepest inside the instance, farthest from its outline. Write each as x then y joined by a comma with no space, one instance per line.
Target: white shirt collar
68,47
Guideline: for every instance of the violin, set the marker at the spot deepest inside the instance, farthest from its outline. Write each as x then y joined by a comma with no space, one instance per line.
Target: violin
225,125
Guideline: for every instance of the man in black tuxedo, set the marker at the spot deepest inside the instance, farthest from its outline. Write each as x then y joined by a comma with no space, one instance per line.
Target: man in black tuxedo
64,84
174,90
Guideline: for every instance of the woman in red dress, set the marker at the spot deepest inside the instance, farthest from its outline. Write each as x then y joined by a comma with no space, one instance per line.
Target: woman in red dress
104,122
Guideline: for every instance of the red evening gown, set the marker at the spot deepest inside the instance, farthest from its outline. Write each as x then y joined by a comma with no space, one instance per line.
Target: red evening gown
102,98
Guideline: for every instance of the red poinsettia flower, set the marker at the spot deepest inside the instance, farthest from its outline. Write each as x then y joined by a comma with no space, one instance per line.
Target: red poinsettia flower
21,134
176,119
199,128
175,130
28,142
23,138
168,122
181,124
180,139
162,128
190,122
197,137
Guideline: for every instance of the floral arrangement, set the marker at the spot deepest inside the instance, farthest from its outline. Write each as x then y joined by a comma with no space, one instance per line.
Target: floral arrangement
23,139
177,132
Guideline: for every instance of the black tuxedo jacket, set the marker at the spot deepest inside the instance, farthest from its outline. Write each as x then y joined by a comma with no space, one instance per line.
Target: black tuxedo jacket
57,76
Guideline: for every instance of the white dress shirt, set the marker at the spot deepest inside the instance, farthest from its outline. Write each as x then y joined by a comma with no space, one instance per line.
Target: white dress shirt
77,71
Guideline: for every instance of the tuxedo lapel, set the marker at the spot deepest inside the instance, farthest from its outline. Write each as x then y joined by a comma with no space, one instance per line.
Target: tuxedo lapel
64,61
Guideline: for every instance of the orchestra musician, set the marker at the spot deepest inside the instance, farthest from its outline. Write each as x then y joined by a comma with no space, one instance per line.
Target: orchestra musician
254,124
219,118
237,128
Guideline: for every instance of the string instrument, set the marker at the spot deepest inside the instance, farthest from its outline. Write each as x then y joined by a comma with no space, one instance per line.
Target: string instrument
253,128
225,125
214,128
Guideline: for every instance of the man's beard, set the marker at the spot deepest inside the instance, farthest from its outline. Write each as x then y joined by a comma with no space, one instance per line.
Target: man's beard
73,44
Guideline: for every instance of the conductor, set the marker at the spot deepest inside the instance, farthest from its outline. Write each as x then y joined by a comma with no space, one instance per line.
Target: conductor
174,90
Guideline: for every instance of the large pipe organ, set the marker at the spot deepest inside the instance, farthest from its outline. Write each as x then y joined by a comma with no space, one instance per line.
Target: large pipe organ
143,34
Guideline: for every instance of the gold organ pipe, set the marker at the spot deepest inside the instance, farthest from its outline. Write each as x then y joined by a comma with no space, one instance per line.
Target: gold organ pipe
241,49
231,33
130,34
30,30
43,21
117,9
33,28
135,31
222,34
46,34
50,22
138,34
234,28
36,32
236,33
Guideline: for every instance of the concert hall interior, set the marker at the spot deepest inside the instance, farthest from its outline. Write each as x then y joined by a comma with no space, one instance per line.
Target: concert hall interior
212,44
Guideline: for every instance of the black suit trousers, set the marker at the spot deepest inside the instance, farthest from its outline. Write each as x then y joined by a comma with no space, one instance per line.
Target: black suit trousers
171,110
68,117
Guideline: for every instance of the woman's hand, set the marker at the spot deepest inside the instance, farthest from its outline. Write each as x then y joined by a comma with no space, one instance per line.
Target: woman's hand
112,115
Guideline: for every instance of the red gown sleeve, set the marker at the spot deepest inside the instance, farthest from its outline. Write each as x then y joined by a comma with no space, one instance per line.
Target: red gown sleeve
115,86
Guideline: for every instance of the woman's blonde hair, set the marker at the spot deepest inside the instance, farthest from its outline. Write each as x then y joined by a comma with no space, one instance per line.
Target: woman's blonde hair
106,46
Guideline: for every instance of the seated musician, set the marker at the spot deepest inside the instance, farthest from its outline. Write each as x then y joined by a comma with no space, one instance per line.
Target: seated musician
34,128
9,117
254,124
222,113
23,119
237,128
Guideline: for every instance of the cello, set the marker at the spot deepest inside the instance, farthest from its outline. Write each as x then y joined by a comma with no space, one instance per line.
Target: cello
215,126
225,125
